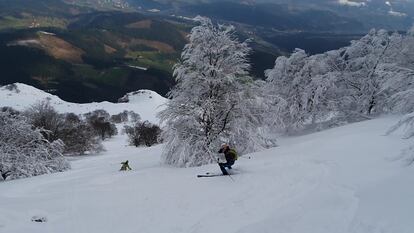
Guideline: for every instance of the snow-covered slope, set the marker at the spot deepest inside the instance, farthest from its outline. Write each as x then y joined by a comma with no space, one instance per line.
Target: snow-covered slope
337,181
145,102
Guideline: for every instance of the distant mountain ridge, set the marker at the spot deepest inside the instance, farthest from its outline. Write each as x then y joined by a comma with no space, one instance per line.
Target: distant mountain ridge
101,4
84,54
321,15
95,50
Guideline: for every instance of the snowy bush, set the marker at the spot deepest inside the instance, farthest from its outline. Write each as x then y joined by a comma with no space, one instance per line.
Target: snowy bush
120,117
99,113
43,116
100,122
143,133
78,135
125,116
211,101
133,116
10,110
24,152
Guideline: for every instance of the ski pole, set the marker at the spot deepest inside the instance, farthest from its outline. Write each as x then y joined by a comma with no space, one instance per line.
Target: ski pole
231,178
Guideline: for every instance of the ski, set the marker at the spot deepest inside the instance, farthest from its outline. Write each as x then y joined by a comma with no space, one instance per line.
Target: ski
209,175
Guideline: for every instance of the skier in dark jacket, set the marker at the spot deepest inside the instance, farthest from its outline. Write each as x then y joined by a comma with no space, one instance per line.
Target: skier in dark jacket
231,157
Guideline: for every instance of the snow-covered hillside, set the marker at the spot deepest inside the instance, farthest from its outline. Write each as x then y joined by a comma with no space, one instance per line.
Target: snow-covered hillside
145,102
337,181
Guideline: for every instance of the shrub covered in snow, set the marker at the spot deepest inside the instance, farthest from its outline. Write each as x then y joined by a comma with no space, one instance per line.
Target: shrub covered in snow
99,113
143,133
133,116
10,110
43,116
78,135
125,116
120,117
101,124
24,151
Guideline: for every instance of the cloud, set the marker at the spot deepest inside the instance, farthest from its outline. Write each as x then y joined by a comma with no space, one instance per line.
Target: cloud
351,3
396,13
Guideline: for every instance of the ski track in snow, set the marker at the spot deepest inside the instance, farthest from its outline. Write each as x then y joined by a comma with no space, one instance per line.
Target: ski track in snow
335,181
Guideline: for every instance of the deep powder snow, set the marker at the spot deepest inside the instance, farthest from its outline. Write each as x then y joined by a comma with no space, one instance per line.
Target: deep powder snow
340,180
347,179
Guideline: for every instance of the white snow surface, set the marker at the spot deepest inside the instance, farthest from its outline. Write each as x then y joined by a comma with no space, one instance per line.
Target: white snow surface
144,102
340,180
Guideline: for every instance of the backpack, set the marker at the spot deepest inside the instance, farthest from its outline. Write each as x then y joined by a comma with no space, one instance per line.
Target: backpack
233,154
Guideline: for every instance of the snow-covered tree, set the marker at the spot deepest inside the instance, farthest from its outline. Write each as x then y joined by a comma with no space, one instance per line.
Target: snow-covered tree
401,83
372,76
369,66
286,86
402,80
248,130
209,104
320,96
380,73
24,152
298,88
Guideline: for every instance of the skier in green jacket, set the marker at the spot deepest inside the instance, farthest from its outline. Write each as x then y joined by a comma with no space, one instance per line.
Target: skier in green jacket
125,166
